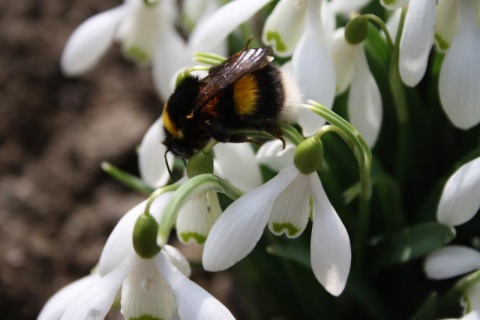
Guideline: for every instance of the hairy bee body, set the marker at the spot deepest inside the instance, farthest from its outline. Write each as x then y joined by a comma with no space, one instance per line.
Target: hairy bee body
246,91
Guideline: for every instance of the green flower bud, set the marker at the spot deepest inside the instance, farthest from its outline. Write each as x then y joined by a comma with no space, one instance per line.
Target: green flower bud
356,30
309,155
200,163
145,237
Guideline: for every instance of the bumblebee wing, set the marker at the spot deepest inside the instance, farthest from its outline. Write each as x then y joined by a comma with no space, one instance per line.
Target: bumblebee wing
230,71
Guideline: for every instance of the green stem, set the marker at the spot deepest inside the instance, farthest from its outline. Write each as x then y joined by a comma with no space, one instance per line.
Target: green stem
451,298
364,157
156,194
399,97
195,185
381,24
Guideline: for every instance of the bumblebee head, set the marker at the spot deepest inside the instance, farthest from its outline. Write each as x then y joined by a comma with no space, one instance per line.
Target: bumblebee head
177,121
180,147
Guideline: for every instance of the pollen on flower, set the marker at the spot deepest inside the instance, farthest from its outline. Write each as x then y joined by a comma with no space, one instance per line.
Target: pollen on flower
289,229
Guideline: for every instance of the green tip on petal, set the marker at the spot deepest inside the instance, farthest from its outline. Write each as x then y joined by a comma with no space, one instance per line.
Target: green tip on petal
279,46
442,44
356,30
196,237
145,237
288,228
137,54
200,163
309,155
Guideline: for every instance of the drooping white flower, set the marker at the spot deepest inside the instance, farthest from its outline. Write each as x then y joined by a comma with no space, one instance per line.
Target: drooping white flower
364,100
157,287
283,204
459,79
458,204
417,40
459,201
417,37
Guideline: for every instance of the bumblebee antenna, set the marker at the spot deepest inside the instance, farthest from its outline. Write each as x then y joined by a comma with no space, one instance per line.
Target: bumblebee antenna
166,163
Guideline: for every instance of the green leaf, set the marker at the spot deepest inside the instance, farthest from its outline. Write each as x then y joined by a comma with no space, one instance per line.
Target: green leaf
410,243
127,179
429,309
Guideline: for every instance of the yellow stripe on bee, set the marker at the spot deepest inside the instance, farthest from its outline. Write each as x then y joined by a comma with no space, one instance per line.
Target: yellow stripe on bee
245,95
169,125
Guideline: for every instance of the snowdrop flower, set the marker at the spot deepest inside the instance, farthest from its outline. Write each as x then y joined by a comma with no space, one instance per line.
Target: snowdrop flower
364,100
283,204
459,79
147,34
417,38
458,204
156,287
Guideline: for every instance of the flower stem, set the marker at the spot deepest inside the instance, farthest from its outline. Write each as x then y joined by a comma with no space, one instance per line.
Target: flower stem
398,92
380,23
155,195
195,185
364,157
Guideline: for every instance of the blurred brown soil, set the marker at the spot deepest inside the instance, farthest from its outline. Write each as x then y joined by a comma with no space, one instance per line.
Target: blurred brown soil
57,205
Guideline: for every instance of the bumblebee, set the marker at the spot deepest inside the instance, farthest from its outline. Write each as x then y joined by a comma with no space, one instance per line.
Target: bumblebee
246,91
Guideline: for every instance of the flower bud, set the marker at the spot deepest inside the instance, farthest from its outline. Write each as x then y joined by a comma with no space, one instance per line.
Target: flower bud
356,30
145,237
309,155
200,163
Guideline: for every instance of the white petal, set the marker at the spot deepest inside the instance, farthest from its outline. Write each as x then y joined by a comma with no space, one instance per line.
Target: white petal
58,303
171,54
145,292
393,4
119,244
192,220
330,245
210,32
284,26
141,35
177,259
446,26
460,198
192,301
393,22
314,69
222,47
91,40
291,210
417,40
474,315
451,261
241,225
364,100
273,155
343,55
97,299
236,163
151,156
459,80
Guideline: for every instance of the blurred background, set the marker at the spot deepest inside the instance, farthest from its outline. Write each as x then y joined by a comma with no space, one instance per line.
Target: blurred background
57,206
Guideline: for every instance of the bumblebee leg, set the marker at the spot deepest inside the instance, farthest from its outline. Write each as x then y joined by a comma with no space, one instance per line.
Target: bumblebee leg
222,134
268,125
